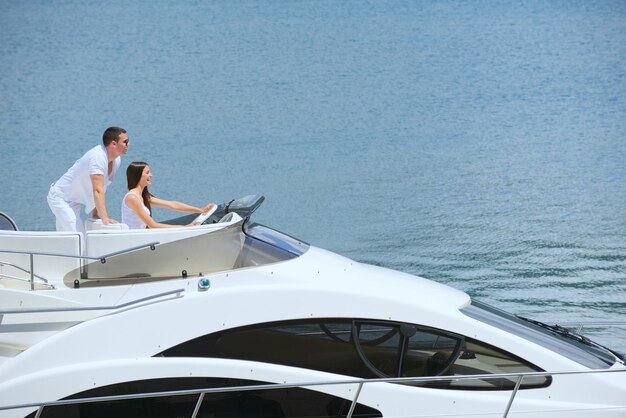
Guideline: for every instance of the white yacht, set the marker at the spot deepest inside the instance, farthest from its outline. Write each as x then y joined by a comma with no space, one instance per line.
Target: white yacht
235,319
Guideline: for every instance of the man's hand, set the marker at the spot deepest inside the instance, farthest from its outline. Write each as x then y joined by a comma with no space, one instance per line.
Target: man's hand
105,221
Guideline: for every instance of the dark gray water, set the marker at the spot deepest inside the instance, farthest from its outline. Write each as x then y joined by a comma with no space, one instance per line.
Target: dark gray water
479,144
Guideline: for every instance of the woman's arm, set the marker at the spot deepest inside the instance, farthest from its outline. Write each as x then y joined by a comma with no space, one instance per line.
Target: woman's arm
135,203
178,206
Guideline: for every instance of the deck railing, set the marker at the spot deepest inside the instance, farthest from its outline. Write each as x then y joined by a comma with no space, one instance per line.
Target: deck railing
517,377
176,292
102,258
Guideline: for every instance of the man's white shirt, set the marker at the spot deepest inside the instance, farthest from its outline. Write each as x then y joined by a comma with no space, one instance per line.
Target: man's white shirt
75,185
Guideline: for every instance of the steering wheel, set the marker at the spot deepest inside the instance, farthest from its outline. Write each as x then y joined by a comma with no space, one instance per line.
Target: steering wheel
204,216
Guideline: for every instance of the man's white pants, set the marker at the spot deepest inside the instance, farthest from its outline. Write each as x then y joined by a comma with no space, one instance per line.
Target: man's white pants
67,213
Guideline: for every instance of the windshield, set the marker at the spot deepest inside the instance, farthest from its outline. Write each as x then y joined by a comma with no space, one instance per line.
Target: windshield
580,350
277,239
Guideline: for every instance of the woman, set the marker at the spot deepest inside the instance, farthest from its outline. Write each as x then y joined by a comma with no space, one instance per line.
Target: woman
137,204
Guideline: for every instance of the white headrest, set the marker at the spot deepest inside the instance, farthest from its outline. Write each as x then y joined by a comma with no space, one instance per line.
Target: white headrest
92,224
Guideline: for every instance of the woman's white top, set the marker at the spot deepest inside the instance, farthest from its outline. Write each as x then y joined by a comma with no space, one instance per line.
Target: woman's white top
129,217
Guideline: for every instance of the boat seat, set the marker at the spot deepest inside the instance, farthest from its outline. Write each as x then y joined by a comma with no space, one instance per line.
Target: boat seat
92,224
54,269
6,223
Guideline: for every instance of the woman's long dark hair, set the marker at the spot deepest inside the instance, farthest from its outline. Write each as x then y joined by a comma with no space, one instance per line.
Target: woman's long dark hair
133,175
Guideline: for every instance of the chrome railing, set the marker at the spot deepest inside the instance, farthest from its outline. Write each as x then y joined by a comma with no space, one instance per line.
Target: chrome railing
15,266
21,279
517,377
94,308
102,258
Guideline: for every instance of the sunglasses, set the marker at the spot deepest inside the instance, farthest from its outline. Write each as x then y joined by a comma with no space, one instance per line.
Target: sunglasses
125,141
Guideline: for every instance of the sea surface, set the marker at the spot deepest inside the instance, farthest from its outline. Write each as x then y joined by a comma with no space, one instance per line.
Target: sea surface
480,144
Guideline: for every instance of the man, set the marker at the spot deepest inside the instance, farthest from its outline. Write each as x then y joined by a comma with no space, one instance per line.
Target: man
85,183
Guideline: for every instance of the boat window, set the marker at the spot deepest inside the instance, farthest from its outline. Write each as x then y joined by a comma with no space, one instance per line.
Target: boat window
275,238
324,346
580,350
270,403
366,349
403,350
476,357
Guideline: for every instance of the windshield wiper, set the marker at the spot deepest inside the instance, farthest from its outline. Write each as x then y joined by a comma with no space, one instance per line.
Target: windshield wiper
562,331
557,329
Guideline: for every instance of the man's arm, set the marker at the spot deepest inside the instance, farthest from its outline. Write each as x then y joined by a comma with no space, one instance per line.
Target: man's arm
99,197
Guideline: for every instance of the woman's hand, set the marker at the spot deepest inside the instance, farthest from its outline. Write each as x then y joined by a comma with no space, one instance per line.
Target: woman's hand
208,207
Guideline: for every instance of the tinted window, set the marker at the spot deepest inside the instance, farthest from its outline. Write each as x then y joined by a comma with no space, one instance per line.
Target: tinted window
270,403
476,357
319,346
275,238
404,350
278,403
367,349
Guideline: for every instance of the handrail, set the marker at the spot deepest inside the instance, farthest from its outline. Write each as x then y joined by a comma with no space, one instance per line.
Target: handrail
509,404
4,263
93,308
102,258
21,279
354,401
271,386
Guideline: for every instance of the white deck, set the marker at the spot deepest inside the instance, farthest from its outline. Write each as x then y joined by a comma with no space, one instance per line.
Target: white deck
47,302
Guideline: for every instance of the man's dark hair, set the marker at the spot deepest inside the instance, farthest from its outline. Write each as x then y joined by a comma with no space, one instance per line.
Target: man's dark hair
112,134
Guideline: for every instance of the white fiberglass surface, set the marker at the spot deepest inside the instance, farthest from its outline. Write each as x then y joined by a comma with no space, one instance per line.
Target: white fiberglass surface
224,249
